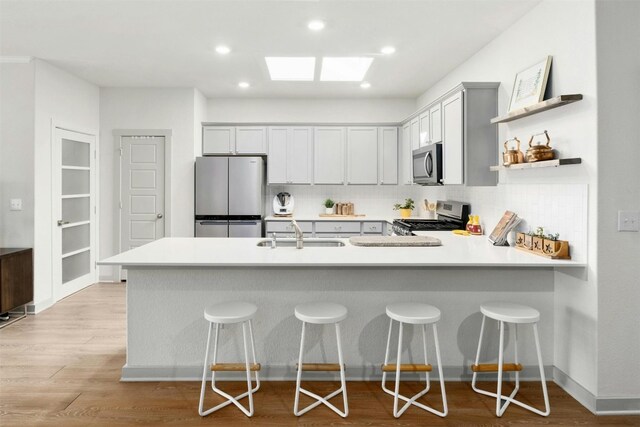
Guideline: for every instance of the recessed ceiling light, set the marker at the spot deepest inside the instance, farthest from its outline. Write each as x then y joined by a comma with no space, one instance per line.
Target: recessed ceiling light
223,50
316,25
243,85
365,85
291,68
388,50
349,69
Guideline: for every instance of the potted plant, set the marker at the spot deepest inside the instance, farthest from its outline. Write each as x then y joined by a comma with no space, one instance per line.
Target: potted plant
405,209
551,244
328,206
528,240
538,240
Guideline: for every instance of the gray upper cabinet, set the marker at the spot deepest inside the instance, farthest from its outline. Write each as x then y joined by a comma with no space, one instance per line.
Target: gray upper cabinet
229,140
452,140
218,140
290,158
362,155
388,142
251,140
329,155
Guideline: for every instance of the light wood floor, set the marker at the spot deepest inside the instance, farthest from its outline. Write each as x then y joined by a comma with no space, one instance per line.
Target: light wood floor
62,367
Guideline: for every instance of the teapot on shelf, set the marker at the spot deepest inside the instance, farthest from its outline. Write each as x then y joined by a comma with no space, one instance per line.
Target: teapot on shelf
512,156
540,151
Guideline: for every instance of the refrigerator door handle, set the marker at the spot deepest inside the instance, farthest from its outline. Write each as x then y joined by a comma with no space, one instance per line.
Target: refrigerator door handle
212,222
243,222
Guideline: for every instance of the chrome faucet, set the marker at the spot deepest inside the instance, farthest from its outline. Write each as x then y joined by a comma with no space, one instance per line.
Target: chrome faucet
273,241
299,239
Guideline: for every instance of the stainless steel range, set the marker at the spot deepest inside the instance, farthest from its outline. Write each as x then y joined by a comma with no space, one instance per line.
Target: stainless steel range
451,216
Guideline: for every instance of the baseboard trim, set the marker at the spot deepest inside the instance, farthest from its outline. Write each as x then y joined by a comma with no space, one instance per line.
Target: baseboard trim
597,405
37,307
287,373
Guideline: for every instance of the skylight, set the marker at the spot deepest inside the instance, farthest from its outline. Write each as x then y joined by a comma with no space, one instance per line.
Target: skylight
348,69
291,68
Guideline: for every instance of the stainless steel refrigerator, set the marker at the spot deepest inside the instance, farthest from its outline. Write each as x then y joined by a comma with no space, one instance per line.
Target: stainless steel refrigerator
229,196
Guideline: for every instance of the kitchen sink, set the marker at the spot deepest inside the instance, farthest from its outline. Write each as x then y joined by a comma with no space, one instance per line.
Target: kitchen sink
308,243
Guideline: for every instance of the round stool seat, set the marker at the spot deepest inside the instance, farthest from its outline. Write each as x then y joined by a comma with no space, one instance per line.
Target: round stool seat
413,312
230,312
510,312
321,312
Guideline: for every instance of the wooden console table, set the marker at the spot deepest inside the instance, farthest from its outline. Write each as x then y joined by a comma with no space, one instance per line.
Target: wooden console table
16,281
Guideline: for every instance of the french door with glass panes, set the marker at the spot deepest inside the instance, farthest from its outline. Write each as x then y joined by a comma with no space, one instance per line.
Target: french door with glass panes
74,211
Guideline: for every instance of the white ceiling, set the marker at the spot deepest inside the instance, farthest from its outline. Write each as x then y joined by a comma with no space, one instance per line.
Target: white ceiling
171,43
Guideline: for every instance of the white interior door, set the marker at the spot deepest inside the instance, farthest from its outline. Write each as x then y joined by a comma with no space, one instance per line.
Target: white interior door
74,211
142,208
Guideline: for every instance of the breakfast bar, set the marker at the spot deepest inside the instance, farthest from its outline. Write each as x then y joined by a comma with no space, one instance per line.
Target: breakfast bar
172,280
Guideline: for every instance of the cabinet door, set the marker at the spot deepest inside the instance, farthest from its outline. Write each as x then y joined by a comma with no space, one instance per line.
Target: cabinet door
425,129
435,121
388,140
362,155
452,139
251,140
406,155
328,155
218,140
415,133
277,158
300,155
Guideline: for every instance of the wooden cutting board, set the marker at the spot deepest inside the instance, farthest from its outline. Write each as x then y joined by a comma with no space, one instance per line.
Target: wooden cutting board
394,241
341,216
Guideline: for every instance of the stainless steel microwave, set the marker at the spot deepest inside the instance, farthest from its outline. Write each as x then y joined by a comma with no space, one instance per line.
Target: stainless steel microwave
427,165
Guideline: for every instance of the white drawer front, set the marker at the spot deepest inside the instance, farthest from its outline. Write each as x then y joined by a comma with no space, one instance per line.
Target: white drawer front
338,227
372,227
335,235
286,227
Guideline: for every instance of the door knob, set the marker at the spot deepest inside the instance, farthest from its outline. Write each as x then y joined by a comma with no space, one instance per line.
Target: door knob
159,216
61,223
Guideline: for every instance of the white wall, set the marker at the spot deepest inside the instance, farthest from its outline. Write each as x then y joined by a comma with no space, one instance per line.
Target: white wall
565,30
69,101
149,109
309,110
618,189
16,152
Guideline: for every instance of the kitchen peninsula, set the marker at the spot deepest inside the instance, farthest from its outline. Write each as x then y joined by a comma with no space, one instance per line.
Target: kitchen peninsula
170,281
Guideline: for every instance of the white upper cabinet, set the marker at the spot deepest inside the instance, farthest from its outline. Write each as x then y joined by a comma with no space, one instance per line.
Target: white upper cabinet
362,155
435,123
328,155
290,157
300,155
226,140
406,155
218,140
452,139
251,140
277,160
415,133
424,129
388,142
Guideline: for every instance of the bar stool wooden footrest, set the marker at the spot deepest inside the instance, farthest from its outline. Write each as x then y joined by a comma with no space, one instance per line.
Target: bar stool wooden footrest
235,367
493,367
406,367
320,367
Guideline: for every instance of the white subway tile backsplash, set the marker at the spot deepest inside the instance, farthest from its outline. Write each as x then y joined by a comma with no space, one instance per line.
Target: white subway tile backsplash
560,208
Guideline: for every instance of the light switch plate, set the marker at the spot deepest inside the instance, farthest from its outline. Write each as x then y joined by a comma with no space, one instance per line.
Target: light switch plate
16,204
628,220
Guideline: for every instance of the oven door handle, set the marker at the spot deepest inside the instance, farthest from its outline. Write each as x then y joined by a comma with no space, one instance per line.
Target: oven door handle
428,164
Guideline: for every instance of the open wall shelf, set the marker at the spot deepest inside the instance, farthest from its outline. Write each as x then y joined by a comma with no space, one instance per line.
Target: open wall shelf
544,164
549,104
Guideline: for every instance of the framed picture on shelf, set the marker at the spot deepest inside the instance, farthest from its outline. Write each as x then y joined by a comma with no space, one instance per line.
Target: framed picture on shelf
530,84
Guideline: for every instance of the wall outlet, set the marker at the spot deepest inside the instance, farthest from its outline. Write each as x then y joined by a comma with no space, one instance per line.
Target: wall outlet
16,204
628,220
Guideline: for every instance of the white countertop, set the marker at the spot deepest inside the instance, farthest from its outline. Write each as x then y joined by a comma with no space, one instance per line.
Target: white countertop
456,251
317,217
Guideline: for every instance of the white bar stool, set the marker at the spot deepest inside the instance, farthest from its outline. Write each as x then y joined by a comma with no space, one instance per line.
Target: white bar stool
221,314
415,314
506,312
321,313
